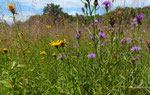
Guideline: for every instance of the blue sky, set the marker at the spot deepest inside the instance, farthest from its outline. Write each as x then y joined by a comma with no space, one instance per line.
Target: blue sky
27,8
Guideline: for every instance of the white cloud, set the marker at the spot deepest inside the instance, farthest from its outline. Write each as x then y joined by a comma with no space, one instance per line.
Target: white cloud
74,13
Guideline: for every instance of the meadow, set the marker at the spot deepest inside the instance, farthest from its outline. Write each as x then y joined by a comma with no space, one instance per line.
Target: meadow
87,55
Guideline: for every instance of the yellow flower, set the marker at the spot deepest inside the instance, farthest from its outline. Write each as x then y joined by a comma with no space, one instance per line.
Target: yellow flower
48,26
42,53
28,52
21,34
5,50
11,8
58,43
57,35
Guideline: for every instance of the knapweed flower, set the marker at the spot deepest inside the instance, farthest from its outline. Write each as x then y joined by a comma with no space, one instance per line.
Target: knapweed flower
125,40
96,21
48,26
107,5
102,35
75,46
11,8
93,37
134,23
5,50
78,36
62,56
42,53
140,18
137,58
72,53
92,55
68,45
144,31
79,31
136,48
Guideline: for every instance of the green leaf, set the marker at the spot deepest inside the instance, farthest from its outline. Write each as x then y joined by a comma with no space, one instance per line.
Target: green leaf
5,84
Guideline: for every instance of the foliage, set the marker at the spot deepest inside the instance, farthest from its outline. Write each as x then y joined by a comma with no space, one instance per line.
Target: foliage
52,9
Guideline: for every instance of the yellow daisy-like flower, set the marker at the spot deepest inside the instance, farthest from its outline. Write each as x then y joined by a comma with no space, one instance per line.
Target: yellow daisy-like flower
48,26
21,34
11,8
57,35
5,50
58,43
29,52
42,53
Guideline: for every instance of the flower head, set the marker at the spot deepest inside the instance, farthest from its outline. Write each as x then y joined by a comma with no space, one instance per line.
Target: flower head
62,56
48,26
96,21
5,50
42,53
136,48
28,52
11,8
58,43
79,31
139,18
78,36
92,55
102,35
107,5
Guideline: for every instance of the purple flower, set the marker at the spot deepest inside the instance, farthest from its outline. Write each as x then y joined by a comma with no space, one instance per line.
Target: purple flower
134,23
99,29
79,31
59,16
92,24
136,48
137,58
62,56
92,55
72,53
75,46
143,31
78,36
102,35
93,37
140,18
105,27
131,28
123,31
141,42
127,39
106,3
68,45
102,44
139,38
96,21
122,40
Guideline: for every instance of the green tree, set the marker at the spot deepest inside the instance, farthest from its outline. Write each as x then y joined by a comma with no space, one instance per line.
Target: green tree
52,9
